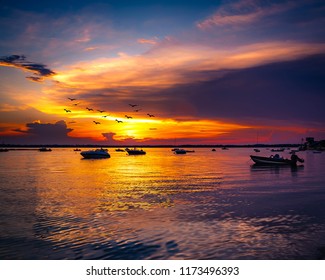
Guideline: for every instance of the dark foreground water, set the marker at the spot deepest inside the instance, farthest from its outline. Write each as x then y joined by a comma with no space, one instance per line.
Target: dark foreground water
202,205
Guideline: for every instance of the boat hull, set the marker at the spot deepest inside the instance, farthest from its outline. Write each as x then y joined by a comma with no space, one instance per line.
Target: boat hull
98,154
134,153
45,150
87,156
180,152
272,161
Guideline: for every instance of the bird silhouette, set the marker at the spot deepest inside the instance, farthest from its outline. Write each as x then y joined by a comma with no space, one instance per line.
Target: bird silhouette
150,115
118,121
105,116
68,111
89,109
75,104
100,111
137,110
128,117
133,105
96,122
72,99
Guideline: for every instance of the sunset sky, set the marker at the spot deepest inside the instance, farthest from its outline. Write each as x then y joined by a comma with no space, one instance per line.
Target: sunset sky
210,72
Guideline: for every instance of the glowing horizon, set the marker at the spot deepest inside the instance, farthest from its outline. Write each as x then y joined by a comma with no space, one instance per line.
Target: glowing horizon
216,78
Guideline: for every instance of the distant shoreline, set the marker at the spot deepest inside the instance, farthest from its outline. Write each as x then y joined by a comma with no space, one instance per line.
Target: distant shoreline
34,146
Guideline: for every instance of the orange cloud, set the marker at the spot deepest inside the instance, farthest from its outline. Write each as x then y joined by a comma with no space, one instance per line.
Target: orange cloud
172,64
153,41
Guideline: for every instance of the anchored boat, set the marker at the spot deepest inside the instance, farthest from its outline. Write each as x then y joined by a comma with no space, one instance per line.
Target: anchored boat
135,151
276,160
95,154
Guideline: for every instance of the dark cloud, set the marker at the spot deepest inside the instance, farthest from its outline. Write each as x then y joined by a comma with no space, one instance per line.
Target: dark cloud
291,91
56,133
50,130
40,71
41,133
34,79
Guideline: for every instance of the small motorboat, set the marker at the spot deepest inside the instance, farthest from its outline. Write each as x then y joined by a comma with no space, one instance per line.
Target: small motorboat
96,154
44,149
180,151
213,150
119,150
77,150
135,151
275,160
277,150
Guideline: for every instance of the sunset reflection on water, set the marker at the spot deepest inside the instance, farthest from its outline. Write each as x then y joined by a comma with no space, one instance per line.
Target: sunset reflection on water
201,205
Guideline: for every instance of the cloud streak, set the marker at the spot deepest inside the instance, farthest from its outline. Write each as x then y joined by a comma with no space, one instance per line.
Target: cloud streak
153,41
243,12
174,63
40,71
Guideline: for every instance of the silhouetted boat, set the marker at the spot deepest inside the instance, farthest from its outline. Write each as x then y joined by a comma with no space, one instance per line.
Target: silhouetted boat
77,150
135,151
119,150
44,149
257,150
96,154
213,150
277,150
179,151
274,160
4,150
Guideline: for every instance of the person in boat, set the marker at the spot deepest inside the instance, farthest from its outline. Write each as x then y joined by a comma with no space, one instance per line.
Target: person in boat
294,158
276,156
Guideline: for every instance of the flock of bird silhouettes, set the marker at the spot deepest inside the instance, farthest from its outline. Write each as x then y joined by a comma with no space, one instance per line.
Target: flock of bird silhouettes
102,111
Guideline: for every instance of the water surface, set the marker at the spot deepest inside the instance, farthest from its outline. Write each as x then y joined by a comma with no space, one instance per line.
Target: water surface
202,205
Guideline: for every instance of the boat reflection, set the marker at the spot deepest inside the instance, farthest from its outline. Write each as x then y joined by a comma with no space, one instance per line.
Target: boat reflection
276,168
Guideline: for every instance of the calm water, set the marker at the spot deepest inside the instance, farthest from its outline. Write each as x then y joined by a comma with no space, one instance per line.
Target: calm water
202,205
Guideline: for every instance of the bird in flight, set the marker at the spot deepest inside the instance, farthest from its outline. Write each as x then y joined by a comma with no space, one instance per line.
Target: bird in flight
105,116
72,99
68,111
100,111
75,104
96,122
89,109
128,117
137,110
150,115
118,121
133,105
